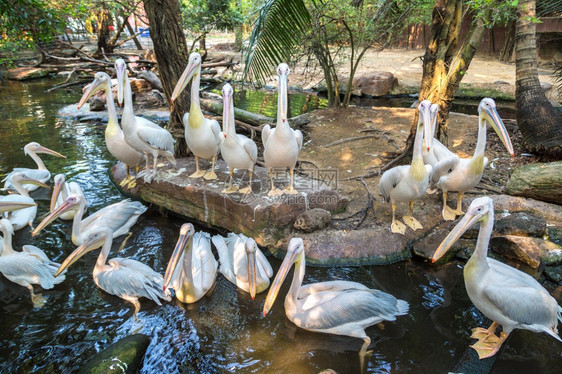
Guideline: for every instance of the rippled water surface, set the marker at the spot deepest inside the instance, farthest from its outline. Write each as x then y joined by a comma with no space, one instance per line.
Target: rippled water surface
224,332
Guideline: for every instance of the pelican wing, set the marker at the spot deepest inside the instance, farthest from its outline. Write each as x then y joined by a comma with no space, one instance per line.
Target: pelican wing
444,167
390,179
116,216
225,257
216,129
298,137
204,265
264,267
23,268
265,133
34,251
249,146
156,137
440,151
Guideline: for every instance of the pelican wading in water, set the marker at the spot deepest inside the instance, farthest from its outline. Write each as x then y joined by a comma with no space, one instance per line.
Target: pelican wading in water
114,136
25,216
238,151
408,183
505,295
462,174
61,191
202,135
118,217
42,174
242,263
28,267
141,134
192,269
335,307
281,145
124,277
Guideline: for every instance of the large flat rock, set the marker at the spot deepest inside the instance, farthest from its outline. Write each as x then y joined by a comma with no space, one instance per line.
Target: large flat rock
26,73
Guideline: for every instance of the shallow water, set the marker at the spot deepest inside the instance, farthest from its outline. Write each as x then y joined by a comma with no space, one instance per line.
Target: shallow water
225,331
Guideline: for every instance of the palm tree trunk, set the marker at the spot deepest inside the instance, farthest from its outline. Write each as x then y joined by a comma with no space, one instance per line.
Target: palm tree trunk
539,123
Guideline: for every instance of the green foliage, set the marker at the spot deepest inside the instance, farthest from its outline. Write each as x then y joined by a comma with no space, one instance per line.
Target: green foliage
500,11
200,16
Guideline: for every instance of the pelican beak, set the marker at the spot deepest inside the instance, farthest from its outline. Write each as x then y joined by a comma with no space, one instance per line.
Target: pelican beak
227,103
468,220
252,273
46,150
56,191
88,246
186,76
288,261
283,78
427,128
498,126
27,180
120,72
9,206
185,240
94,87
52,216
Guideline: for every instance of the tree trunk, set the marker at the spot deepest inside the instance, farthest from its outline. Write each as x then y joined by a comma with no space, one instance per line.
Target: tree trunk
103,22
539,123
171,54
506,54
132,32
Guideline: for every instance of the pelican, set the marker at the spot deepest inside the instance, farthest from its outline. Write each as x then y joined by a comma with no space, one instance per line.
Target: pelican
198,270
114,137
408,183
28,267
61,191
461,174
118,217
238,151
141,134
334,307
22,217
433,150
201,134
124,277
242,263
505,295
281,145
41,173
10,206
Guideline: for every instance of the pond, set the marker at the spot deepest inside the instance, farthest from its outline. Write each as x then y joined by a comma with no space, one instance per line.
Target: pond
225,331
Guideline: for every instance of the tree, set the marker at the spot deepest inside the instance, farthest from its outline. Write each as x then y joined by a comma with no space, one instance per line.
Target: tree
539,123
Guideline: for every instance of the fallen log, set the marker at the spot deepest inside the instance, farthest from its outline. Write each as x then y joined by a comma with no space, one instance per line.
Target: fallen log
151,78
537,181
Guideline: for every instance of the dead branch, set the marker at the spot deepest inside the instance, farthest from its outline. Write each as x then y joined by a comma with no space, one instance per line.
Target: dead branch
68,84
345,140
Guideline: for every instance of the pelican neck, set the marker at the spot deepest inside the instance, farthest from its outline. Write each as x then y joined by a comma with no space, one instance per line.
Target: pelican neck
298,276
417,155
481,250
128,107
22,191
7,247
77,222
37,159
481,142
100,262
112,121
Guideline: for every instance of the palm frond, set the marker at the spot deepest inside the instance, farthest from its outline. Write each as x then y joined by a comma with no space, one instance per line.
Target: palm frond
278,28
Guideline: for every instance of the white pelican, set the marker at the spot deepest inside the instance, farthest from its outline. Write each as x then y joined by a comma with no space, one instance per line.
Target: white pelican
123,277
238,151
408,183
334,307
41,173
22,217
114,137
461,174
61,191
281,145
505,295
10,206
197,269
201,134
433,150
118,217
141,134
28,267
242,263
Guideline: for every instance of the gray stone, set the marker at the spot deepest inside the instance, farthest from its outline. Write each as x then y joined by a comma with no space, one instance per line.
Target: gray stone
312,220
97,104
26,73
546,86
554,233
376,84
123,356
520,248
554,273
521,224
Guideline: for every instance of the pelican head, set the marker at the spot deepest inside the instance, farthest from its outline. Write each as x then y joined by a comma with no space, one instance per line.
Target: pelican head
70,202
425,120
10,206
227,92
283,71
193,68
294,254
433,110
487,111
481,209
185,241
101,81
35,147
121,72
251,247
94,241
21,178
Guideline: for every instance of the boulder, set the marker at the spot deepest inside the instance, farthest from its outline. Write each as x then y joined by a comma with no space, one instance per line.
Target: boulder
97,104
521,224
537,181
375,84
26,73
531,251
554,273
123,356
312,220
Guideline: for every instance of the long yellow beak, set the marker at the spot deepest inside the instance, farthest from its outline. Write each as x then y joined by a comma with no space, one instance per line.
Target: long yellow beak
252,273
120,72
9,206
46,150
27,180
56,192
227,102
498,126
94,87
184,80
52,216
90,245
427,128
288,261
283,78
468,220
185,239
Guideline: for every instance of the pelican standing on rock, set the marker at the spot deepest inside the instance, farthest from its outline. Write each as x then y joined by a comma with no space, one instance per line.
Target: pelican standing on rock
238,151
197,269
505,295
281,145
335,307
114,137
28,267
462,174
408,183
201,134
118,217
61,191
42,174
242,263
141,134
22,217
124,277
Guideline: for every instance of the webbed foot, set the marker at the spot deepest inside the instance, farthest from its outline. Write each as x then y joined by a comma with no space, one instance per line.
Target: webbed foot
210,175
413,223
398,227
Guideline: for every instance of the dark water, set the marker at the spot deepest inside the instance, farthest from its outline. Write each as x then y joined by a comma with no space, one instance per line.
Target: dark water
224,332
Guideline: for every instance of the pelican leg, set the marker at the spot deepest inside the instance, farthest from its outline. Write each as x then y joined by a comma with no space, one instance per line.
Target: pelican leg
137,169
396,227
248,190
137,310
274,191
363,352
485,334
447,212
198,173
128,178
409,220
485,349
210,175
290,190
146,166
231,188
37,299
459,211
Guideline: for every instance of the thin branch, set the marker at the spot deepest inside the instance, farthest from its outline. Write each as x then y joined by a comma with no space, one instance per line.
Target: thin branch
345,140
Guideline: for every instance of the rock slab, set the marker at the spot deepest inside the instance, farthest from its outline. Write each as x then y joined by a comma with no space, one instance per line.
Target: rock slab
123,356
26,73
537,181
